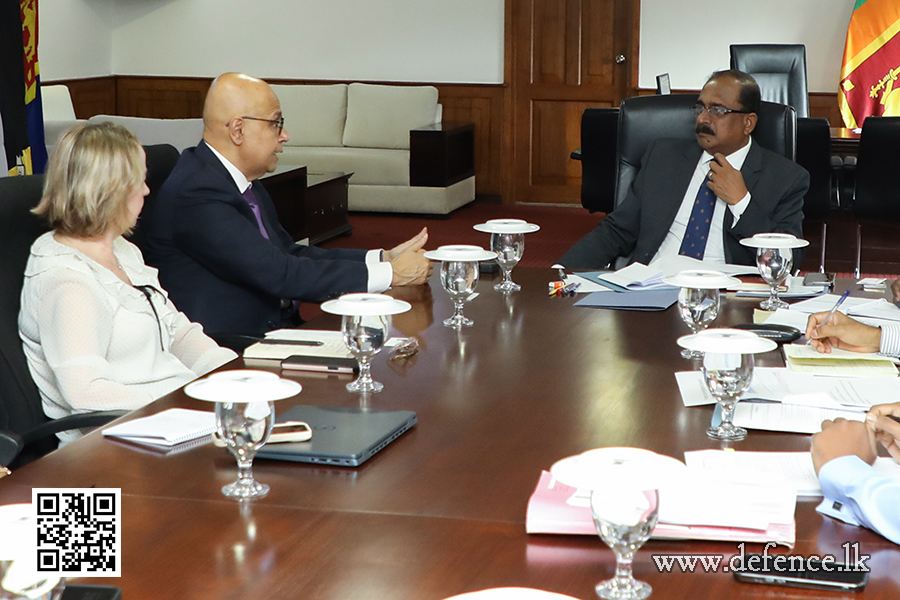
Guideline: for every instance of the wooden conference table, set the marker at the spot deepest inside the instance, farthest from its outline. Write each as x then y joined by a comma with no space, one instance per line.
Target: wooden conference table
441,510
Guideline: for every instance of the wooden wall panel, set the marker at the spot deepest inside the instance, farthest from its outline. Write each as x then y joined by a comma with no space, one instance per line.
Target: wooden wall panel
94,96
161,97
824,105
482,105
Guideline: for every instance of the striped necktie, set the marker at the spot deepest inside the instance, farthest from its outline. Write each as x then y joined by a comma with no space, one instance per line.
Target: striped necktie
250,197
697,232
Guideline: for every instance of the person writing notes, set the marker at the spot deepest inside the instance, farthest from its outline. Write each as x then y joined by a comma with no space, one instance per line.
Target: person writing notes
700,198
215,237
825,332
97,328
855,492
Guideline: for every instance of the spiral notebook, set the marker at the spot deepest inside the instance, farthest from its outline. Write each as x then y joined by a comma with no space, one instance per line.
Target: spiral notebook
165,429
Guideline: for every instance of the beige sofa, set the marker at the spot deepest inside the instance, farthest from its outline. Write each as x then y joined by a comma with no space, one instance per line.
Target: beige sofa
366,130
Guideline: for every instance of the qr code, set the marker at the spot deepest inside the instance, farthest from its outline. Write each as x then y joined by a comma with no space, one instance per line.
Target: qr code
78,531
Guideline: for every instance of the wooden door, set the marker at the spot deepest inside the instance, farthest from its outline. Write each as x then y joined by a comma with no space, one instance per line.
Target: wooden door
566,55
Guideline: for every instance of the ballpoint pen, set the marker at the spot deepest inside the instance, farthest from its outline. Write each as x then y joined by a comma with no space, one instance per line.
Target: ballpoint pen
291,342
837,305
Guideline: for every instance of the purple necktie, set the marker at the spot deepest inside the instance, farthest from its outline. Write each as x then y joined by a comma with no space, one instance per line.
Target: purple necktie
250,197
695,235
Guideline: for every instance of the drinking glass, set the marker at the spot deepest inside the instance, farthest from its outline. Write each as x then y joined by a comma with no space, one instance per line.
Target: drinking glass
624,517
365,335
727,377
698,308
774,265
245,428
459,278
509,248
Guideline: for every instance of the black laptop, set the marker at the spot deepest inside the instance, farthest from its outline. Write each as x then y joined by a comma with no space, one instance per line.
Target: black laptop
344,437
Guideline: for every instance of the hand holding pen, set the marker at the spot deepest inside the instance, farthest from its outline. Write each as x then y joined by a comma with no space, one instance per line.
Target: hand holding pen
827,330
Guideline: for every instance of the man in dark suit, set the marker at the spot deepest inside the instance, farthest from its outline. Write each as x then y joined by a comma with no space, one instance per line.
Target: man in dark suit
215,237
700,199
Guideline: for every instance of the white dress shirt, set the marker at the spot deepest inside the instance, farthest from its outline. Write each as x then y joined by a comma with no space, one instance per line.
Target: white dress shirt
858,494
890,340
381,274
93,342
715,246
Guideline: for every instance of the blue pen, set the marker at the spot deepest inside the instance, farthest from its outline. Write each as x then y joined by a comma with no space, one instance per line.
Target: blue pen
837,305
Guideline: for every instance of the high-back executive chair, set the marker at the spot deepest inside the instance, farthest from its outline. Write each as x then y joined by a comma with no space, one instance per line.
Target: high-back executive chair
25,431
875,195
814,155
779,69
644,119
599,128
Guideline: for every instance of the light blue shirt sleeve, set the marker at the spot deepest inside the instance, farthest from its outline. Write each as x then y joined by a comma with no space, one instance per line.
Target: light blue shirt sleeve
858,494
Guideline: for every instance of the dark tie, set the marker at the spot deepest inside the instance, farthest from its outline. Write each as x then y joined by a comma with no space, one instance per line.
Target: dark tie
250,197
697,231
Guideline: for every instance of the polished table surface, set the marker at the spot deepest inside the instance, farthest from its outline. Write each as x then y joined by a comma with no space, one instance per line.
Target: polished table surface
441,510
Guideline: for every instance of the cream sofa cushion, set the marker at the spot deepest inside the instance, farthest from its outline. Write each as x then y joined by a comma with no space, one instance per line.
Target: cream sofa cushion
380,116
181,133
370,166
314,115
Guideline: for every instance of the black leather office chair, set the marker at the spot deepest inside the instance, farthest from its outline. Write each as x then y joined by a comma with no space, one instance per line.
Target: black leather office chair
644,119
779,69
599,127
875,196
21,413
814,155
161,159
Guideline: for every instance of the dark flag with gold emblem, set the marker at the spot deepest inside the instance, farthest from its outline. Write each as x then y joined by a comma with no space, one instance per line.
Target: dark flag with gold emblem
21,118
870,76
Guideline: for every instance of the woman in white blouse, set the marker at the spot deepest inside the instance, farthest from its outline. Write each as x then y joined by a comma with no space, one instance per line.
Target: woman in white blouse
98,330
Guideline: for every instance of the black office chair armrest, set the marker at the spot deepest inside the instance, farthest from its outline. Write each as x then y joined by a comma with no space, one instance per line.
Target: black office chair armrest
10,446
90,420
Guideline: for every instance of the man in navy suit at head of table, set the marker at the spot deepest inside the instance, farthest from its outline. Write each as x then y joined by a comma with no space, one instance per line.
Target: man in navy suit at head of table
701,197
214,235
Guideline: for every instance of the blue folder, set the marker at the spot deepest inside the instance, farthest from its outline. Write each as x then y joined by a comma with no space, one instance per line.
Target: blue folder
659,299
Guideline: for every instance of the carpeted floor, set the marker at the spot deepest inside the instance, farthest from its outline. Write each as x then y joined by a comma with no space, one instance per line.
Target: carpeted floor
560,228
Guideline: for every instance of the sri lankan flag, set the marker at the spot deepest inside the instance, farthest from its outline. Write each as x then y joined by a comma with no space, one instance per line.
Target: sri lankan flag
21,116
869,76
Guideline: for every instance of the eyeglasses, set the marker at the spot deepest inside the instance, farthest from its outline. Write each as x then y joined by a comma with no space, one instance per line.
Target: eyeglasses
715,110
279,122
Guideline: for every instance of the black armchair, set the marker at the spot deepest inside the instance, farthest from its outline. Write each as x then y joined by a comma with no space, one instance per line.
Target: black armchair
599,128
779,69
21,412
644,119
875,195
814,155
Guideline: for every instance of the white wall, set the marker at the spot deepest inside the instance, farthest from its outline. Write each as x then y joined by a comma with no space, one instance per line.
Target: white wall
74,38
398,40
459,41
689,38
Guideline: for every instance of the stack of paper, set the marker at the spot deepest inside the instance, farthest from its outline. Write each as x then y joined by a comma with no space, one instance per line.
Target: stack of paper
699,508
855,307
637,276
793,288
769,468
166,429
285,343
841,363
783,400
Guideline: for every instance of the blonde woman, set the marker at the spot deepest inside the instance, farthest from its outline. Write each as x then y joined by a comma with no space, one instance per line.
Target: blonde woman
98,331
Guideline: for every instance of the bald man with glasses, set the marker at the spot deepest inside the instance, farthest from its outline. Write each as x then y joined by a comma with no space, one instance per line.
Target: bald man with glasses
215,237
699,199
